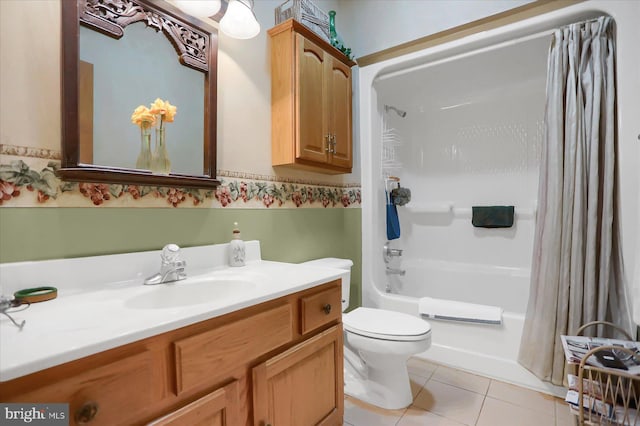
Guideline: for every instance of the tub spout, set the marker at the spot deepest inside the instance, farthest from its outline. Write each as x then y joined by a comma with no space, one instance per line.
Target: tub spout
394,271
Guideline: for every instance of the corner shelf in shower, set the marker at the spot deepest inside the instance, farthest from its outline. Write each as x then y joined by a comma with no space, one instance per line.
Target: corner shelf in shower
391,141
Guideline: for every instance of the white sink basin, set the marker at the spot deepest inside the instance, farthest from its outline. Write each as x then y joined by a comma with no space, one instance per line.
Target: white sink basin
185,293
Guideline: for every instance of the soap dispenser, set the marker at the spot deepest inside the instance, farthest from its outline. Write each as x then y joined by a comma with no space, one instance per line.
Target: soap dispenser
236,248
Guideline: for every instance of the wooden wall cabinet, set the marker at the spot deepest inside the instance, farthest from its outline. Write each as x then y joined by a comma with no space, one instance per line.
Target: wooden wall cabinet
278,363
311,125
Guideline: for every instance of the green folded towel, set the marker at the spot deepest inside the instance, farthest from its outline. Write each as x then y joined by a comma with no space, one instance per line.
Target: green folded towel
492,216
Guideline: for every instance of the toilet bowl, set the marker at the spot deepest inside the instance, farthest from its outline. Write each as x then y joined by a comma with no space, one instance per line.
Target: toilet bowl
377,345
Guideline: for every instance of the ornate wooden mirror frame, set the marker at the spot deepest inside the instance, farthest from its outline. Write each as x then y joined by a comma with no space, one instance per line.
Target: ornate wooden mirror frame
196,44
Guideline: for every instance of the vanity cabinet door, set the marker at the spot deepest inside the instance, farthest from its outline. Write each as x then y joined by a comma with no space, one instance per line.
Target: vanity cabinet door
339,108
113,394
219,408
303,385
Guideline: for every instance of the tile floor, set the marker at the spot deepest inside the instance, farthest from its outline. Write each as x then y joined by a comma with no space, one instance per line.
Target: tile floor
445,396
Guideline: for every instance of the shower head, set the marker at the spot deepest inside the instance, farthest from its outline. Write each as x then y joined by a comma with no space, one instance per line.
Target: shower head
400,112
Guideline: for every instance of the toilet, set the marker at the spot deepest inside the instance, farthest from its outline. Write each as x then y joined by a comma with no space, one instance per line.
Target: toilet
377,345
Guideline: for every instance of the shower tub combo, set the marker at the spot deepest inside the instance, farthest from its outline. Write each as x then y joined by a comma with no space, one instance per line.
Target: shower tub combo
461,125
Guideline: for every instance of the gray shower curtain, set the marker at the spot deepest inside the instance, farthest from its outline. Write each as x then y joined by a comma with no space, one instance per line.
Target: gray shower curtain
577,271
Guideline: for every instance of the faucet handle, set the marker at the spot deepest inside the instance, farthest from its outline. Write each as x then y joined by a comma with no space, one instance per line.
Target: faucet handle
170,253
389,252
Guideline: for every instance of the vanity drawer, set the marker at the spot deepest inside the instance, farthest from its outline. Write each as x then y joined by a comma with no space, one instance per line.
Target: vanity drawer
113,394
211,356
320,308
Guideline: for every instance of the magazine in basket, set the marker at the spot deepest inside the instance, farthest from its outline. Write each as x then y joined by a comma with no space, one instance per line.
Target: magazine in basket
576,347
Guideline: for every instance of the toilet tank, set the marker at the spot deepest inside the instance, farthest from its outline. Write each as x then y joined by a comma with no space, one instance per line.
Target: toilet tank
336,263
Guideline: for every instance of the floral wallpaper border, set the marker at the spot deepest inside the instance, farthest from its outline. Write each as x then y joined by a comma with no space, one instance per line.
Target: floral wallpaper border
29,151
31,182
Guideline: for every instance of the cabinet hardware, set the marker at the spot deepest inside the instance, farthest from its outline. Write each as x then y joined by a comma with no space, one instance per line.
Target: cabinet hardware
329,149
86,413
327,308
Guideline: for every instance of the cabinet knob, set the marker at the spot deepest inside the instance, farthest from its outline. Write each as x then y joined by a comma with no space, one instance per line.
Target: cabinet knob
327,308
86,413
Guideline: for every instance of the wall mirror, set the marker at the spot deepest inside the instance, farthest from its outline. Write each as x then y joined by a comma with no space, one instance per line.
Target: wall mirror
118,55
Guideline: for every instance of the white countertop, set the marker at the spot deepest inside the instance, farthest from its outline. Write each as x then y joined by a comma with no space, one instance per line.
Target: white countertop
85,321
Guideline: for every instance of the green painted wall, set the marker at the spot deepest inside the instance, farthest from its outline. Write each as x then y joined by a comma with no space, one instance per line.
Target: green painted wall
287,235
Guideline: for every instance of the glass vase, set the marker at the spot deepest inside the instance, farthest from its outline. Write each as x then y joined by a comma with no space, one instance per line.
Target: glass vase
144,158
160,163
333,35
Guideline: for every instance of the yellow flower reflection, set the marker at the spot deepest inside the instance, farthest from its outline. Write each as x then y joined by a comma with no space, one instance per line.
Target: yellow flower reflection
143,117
164,109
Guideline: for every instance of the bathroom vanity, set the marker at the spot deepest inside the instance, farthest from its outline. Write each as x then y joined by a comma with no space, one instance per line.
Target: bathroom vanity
266,354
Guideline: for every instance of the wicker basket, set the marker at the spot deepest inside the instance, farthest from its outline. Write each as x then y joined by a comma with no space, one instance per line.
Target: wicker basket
307,13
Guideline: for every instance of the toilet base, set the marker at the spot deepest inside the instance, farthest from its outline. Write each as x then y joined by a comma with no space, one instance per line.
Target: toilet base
385,390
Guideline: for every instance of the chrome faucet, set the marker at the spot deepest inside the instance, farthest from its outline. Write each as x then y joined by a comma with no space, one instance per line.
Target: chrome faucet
172,267
389,252
394,271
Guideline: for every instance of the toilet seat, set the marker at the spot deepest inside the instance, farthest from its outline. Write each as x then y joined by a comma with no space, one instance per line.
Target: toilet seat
385,325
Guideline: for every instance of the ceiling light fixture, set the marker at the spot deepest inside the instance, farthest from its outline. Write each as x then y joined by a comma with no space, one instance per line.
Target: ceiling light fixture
199,8
239,21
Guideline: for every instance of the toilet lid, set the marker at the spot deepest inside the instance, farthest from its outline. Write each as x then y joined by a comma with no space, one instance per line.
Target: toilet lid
387,325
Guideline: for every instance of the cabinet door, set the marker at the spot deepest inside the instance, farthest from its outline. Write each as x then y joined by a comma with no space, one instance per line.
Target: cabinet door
339,90
311,126
219,408
112,394
302,386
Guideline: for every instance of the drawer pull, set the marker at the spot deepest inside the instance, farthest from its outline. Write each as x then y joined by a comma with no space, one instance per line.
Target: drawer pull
86,413
327,308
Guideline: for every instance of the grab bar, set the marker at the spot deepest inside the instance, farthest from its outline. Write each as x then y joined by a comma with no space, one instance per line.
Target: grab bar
463,212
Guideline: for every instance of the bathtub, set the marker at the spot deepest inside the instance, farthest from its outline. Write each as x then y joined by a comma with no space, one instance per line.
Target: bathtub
486,349
471,136
506,287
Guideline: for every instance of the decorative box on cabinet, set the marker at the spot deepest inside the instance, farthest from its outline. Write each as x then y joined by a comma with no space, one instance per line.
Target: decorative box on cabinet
311,124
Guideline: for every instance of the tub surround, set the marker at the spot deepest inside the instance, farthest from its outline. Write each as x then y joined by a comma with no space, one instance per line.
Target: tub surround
102,303
458,154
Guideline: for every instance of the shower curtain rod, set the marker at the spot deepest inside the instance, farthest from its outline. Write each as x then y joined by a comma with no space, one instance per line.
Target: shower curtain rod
586,21
465,54
491,47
